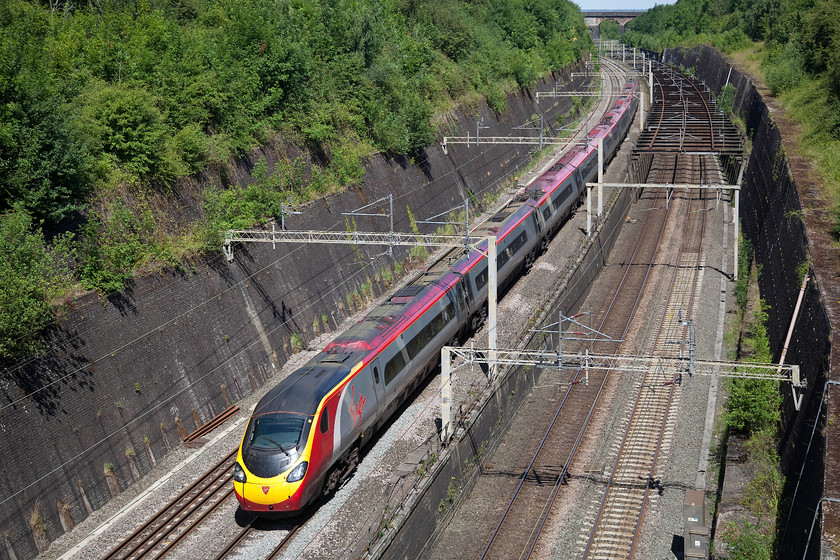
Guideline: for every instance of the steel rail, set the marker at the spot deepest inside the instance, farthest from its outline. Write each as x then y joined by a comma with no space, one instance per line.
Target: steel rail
250,528
689,313
617,351
282,545
179,538
661,108
705,106
566,395
232,545
635,409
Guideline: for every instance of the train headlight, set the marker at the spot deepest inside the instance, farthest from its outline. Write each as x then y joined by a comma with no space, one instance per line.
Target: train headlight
239,473
297,472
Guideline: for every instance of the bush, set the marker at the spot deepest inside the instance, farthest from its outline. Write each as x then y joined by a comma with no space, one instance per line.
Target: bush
785,68
115,243
754,404
746,542
30,275
726,99
763,492
745,256
126,128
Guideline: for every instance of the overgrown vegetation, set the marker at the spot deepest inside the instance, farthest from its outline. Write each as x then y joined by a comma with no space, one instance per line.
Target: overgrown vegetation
105,105
609,29
745,257
32,273
753,404
753,411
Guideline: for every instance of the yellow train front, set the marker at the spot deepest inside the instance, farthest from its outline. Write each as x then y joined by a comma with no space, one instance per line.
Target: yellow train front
300,435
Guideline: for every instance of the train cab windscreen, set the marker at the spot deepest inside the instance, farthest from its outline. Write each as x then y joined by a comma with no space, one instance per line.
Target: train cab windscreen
273,440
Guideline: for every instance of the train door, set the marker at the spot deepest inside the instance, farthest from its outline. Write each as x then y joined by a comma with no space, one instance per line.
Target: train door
357,412
378,385
539,219
467,293
469,305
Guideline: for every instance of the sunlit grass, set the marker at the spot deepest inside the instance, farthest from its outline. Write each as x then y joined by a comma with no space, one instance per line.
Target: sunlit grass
807,105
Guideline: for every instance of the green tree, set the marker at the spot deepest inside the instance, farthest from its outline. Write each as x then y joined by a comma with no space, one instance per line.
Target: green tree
44,161
126,126
100,99
609,29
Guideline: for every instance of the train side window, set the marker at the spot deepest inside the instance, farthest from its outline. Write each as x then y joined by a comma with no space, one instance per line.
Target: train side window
430,331
502,258
481,278
518,243
325,421
562,195
376,375
394,366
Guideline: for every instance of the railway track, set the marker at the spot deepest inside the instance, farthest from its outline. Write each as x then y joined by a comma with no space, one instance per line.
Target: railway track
174,524
523,519
240,546
167,528
616,526
648,432
620,510
518,531
546,474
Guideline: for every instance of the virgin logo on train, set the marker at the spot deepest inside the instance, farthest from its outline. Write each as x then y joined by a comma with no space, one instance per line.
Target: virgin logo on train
356,409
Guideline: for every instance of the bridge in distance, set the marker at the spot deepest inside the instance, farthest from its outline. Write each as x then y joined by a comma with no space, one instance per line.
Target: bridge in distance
593,18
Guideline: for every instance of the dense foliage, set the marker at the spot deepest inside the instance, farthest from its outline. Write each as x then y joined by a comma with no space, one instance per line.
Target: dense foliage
754,404
802,37
105,103
753,411
159,88
609,30
30,276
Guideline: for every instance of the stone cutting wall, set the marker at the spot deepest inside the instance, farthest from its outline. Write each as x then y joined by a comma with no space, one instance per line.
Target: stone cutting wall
125,374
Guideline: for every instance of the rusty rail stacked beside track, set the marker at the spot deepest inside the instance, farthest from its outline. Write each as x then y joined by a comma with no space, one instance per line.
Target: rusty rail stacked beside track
212,424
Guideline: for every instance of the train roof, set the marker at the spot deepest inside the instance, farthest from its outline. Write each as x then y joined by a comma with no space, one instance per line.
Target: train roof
546,183
387,320
302,390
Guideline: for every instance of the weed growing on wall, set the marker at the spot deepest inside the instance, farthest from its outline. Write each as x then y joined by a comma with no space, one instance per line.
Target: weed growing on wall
753,409
745,257
418,252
